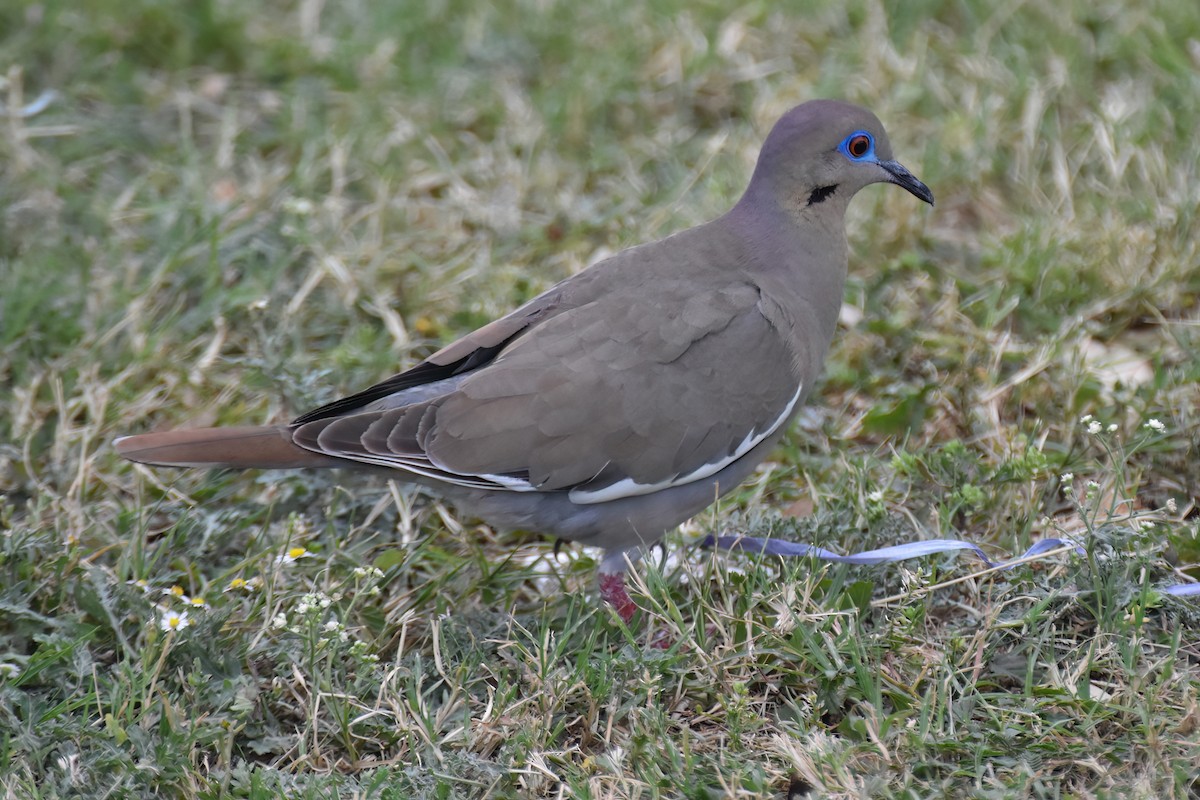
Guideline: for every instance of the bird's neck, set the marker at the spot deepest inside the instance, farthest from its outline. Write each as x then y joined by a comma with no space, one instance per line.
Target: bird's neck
799,241
796,253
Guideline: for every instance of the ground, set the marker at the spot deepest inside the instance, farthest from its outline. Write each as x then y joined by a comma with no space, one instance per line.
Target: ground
228,213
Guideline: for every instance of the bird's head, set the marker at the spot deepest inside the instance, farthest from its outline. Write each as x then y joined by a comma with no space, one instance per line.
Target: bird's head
824,151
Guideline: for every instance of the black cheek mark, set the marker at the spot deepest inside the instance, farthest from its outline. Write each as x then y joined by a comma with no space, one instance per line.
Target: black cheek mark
821,193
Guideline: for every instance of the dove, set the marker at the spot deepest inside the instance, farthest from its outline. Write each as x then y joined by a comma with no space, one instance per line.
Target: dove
628,397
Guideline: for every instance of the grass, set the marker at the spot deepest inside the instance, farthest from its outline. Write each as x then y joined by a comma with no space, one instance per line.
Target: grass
233,212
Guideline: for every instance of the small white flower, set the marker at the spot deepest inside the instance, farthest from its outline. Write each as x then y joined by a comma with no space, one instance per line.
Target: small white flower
1156,425
173,621
1085,419
244,585
279,620
300,206
332,625
1067,477
1094,427
8,670
1112,428
302,607
293,555
1171,505
876,496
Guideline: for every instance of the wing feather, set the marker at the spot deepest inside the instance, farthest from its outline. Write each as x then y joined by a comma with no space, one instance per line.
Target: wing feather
606,399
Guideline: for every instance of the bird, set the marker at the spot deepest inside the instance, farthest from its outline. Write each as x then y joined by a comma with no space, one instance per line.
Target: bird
629,396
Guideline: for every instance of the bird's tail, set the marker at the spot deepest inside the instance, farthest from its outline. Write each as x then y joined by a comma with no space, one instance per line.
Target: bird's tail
266,447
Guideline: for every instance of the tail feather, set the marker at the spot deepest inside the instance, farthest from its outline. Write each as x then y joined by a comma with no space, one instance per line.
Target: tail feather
266,447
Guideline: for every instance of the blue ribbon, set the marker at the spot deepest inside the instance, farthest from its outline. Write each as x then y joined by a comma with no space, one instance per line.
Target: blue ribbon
901,552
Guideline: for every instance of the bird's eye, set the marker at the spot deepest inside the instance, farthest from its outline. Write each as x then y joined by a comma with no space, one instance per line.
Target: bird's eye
858,145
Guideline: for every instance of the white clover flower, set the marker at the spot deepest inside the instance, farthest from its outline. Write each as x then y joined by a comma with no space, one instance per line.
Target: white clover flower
173,621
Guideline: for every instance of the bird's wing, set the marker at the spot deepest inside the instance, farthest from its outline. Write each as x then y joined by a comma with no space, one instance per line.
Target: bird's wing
622,395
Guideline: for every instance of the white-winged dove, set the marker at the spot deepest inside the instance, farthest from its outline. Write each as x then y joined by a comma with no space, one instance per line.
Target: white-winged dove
628,397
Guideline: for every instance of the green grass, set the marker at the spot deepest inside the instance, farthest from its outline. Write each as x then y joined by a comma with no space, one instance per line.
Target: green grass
236,211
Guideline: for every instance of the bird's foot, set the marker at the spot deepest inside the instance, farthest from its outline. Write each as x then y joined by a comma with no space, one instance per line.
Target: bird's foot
612,591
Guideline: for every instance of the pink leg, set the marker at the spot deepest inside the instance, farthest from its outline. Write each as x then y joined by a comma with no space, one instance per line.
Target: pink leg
612,591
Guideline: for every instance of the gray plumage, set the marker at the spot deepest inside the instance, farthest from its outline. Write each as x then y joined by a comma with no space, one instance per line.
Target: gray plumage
628,397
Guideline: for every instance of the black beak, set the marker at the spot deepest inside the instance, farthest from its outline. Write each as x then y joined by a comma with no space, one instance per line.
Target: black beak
900,176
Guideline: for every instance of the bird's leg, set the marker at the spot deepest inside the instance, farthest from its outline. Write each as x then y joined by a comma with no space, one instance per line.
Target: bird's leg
612,582
612,591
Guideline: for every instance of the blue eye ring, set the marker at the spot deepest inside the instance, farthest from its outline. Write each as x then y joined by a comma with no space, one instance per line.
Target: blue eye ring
858,146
